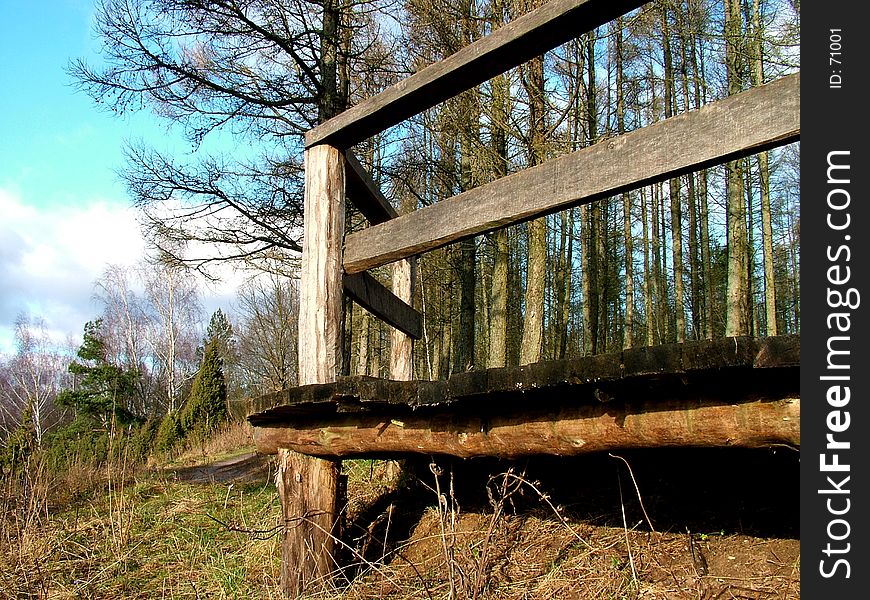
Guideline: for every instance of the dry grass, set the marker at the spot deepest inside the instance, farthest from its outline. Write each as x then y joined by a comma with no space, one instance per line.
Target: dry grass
134,536
110,533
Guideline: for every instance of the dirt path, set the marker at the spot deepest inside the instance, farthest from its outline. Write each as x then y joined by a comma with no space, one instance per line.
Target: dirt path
248,467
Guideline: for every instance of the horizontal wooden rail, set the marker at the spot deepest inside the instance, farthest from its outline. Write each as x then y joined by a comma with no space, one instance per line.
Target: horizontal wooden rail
364,194
517,42
725,392
743,124
381,302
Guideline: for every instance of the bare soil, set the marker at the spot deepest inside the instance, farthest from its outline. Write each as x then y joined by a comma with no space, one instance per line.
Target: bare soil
682,523
685,523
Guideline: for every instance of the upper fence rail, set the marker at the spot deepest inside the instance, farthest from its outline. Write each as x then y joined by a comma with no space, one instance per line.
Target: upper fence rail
758,119
513,44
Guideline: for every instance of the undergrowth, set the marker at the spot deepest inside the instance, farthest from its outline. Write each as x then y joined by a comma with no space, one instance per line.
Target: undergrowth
114,530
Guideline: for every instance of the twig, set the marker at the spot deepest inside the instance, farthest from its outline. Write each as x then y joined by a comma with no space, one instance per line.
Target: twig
625,530
257,534
636,489
546,499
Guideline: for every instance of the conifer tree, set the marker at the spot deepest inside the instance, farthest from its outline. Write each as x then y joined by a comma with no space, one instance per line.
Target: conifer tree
102,390
206,407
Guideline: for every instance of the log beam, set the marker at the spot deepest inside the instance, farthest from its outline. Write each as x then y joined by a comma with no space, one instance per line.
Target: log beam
567,432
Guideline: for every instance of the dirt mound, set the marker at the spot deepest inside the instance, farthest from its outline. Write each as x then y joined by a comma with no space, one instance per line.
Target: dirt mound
683,524
536,556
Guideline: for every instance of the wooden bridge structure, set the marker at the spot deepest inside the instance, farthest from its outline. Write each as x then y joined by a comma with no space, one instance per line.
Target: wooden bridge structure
727,392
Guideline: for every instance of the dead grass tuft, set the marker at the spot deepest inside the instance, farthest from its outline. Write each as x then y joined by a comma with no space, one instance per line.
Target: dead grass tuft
109,532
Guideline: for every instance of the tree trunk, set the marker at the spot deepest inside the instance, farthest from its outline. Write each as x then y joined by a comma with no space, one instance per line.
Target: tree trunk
562,284
464,353
330,104
706,278
589,216
736,310
499,118
362,323
764,184
660,295
536,275
674,189
691,195
628,336
649,279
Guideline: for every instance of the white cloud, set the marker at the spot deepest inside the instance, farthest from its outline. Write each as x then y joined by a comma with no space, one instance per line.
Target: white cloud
50,257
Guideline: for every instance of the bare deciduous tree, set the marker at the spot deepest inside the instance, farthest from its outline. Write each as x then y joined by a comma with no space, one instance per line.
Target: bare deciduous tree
268,312
32,377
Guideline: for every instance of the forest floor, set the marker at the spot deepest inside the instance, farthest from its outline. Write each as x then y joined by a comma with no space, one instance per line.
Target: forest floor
676,524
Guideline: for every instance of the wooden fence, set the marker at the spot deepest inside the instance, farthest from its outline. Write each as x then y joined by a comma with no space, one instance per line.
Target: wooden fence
334,264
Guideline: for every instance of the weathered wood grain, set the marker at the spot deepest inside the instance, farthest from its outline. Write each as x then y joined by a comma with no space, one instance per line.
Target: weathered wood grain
401,342
755,120
308,486
517,42
378,300
321,290
566,432
706,368
364,194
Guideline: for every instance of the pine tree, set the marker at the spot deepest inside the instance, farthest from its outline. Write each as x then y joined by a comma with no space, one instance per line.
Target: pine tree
102,390
206,407
20,444
220,332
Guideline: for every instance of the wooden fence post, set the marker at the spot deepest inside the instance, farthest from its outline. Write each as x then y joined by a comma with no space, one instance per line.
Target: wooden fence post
308,486
401,344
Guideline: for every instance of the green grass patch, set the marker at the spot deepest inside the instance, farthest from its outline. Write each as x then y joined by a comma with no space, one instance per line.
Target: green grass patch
148,538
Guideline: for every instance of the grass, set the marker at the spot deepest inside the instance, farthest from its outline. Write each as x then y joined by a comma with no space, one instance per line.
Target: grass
146,539
111,532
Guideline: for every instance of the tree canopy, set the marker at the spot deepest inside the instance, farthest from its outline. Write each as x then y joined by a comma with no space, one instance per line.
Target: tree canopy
261,71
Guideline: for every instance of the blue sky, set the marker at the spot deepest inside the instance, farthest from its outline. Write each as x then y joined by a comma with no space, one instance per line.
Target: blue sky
64,214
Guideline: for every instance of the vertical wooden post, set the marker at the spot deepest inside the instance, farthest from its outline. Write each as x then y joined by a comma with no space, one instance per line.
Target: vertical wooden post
322,292
401,344
308,486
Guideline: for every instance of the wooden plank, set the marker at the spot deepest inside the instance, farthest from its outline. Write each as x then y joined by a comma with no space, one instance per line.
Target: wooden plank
378,300
755,120
715,369
364,194
566,432
517,42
